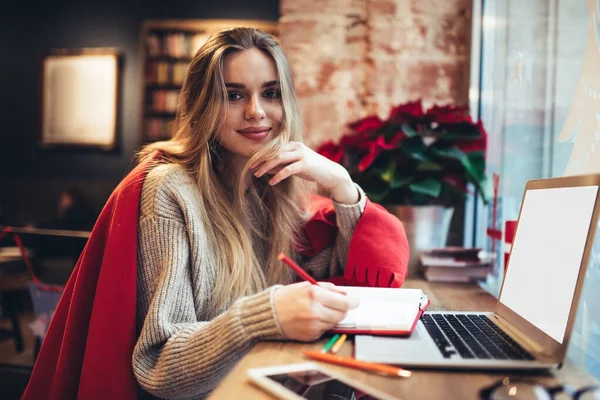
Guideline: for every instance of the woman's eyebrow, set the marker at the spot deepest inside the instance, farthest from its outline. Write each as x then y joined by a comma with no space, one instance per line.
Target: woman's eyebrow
269,83
242,86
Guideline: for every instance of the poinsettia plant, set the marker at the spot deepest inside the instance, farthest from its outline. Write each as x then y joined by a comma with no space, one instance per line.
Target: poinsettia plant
415,157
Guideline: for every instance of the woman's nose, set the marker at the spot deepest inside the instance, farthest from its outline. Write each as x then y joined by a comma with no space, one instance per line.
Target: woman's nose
254,109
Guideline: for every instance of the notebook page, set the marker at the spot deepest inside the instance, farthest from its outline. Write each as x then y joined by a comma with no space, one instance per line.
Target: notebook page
381,314
384,294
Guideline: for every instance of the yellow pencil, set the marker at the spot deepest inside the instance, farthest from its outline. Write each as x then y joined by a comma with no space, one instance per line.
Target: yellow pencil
339,343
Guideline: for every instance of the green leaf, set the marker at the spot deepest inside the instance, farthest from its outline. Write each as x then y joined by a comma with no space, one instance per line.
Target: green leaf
450,152
401,181
379,195
455,154
414,147
477,160
486,190
460,131
409,130
429,187
428,165
388,174
474,165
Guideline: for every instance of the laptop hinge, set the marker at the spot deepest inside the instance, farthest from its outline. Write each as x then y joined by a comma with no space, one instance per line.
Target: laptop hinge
521,338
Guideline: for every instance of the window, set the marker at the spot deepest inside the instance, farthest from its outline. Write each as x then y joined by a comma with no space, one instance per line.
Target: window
537,90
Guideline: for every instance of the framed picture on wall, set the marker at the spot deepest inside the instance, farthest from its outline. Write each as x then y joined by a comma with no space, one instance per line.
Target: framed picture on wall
80,98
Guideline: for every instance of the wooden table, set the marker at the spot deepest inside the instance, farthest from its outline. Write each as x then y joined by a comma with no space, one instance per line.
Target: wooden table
423,384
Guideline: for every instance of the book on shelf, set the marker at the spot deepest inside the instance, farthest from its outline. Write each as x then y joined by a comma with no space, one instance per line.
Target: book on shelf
159,128
153,46
162,72
179,71
174,44
164,101
166,73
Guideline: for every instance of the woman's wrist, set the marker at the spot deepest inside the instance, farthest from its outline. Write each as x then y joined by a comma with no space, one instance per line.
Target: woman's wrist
258,315
346,192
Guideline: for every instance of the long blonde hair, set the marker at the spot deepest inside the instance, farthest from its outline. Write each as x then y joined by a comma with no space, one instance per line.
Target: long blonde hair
273,214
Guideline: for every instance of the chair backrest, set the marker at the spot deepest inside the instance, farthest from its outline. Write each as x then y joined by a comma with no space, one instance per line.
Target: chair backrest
44,301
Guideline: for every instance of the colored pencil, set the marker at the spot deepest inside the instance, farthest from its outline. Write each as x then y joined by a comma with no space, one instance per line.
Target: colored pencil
353,363
338,345
302,273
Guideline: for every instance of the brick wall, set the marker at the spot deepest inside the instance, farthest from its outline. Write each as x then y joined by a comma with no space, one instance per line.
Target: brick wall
352,58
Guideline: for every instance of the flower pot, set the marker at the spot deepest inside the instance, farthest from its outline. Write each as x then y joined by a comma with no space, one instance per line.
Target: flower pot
426,228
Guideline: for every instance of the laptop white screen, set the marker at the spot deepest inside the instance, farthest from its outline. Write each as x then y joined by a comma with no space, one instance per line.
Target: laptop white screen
546,256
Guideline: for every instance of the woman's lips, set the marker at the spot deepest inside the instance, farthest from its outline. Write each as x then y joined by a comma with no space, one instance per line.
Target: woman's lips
255,133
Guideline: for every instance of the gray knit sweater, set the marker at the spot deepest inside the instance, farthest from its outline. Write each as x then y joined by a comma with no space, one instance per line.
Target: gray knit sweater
186,346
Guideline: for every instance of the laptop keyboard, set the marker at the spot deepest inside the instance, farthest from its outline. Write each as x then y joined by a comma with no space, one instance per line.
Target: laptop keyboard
472,336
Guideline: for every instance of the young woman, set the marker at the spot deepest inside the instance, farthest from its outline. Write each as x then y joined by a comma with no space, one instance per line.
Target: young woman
206,214
227,200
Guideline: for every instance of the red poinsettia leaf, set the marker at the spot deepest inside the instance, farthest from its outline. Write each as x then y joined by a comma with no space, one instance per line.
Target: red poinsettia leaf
469,146
407,111
358,141
332,151
381,143
482,130
449,114
392,144
366,125
398,137
368,159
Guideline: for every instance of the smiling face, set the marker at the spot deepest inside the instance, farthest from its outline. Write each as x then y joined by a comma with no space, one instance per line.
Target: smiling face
254,113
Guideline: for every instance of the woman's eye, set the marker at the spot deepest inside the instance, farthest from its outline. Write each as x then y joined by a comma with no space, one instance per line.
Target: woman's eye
272,94
234,96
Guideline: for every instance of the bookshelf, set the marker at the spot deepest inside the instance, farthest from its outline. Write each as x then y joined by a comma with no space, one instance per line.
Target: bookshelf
168,47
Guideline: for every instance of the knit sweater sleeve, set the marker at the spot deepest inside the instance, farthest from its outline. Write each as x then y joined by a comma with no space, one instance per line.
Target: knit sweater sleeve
332,260
181,353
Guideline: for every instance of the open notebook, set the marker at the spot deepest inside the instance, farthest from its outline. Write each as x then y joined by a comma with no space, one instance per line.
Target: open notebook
383,311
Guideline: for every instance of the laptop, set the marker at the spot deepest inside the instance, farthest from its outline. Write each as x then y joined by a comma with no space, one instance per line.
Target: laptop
534,315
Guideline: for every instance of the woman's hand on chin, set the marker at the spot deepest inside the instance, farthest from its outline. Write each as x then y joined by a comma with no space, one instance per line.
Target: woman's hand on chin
297,159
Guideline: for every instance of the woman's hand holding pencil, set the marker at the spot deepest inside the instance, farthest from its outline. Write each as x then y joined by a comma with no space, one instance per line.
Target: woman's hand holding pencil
306,310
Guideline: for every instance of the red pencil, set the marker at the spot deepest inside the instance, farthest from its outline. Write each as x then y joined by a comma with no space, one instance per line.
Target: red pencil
302,273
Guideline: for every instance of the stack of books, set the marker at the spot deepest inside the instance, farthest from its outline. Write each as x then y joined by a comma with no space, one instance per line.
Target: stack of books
456,264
